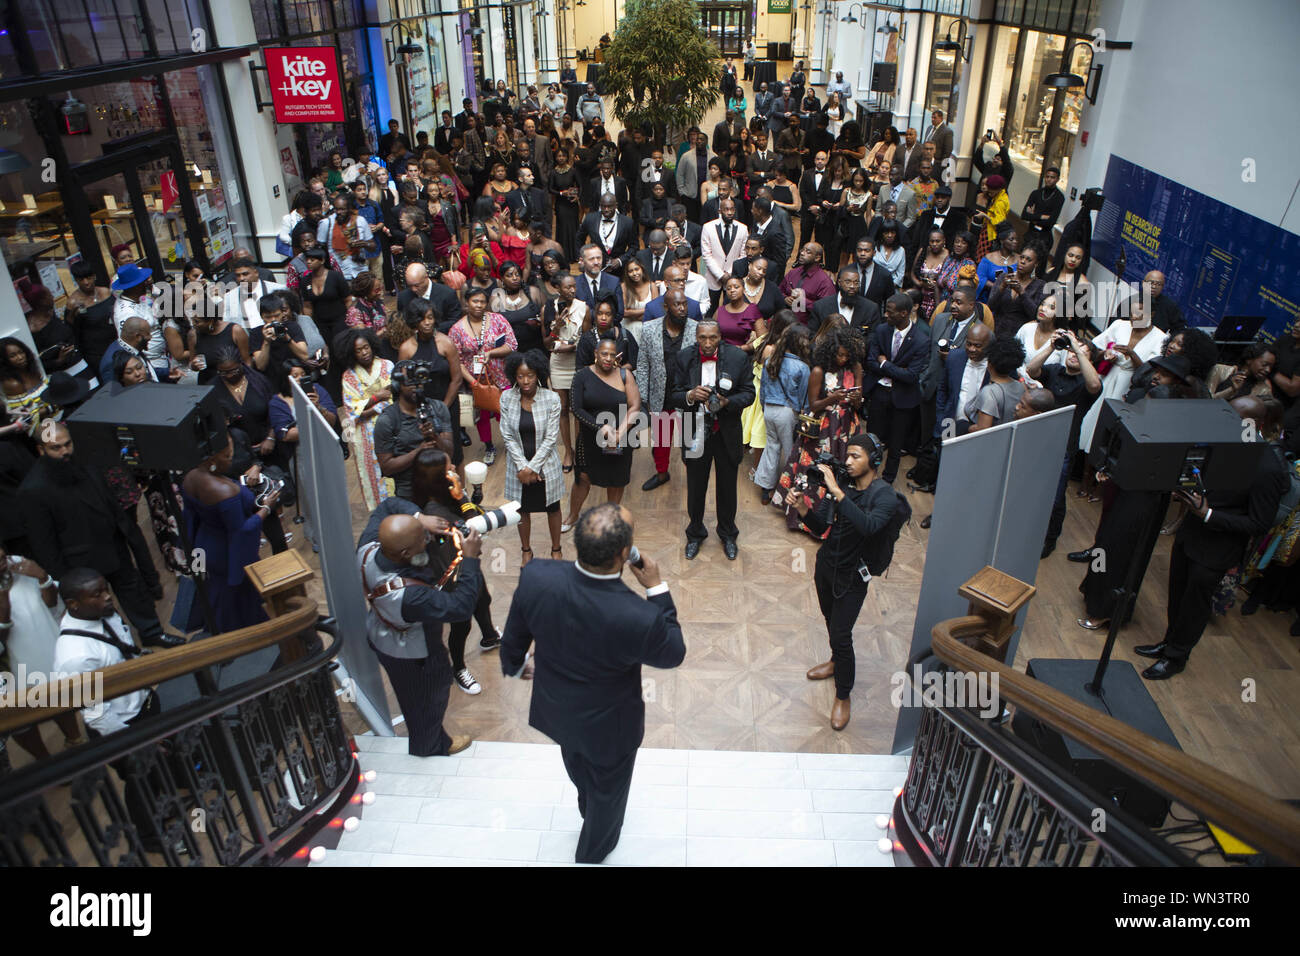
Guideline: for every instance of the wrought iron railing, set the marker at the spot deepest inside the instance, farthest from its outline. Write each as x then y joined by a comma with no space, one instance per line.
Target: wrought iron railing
977,794
244,776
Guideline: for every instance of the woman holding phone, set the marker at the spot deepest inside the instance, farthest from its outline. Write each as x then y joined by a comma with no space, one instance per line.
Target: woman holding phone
483,339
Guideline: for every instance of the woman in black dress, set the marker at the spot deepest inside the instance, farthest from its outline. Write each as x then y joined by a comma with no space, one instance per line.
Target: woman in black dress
213,336
832,220
564,189
604,319
601,394
326,295
521,305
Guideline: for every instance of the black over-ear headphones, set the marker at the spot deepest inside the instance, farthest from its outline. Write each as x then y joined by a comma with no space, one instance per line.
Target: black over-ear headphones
876,453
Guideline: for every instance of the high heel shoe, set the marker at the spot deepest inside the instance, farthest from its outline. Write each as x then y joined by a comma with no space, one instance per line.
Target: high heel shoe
1090,625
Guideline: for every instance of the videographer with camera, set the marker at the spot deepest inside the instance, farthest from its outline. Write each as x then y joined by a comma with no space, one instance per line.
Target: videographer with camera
408,561
714,382
864,517
413,423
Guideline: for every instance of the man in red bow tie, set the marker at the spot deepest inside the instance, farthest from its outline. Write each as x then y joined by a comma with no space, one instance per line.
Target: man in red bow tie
712,384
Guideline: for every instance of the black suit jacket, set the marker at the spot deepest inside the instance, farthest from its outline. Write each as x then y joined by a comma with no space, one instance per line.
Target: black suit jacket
647,259
446,304
810,194
442,138
608,283
904,370
954,221
732,362
879,288
593,191
866,314
625,234
539,205
73,526
945,406
592,638
1235,517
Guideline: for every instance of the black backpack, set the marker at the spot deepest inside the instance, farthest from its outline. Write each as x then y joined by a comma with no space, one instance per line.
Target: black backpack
889,534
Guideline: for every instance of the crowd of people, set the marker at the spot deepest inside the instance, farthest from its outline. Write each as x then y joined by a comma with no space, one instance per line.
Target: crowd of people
529,281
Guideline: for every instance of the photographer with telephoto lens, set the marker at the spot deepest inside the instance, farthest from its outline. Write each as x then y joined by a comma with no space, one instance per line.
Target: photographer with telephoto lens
864,517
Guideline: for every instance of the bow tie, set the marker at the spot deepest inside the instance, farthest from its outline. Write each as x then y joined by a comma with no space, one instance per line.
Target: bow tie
708,358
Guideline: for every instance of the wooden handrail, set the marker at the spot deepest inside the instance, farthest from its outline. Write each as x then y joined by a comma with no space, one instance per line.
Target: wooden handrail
150,669
1244,811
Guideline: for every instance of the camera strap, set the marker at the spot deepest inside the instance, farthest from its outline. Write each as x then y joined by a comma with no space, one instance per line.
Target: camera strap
397,582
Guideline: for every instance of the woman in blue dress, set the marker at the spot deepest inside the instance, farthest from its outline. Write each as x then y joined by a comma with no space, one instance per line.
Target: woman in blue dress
224,521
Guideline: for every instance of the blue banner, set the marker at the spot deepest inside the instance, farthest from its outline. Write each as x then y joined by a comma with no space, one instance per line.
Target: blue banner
1217,260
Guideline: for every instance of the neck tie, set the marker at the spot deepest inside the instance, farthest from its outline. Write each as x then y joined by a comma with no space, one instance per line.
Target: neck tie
898,340
593,290
726,236
654,273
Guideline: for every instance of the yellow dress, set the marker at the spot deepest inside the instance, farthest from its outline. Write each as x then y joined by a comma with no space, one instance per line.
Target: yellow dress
751,419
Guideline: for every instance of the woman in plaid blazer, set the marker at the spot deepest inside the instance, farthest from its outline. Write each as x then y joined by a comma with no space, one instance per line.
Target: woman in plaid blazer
530,427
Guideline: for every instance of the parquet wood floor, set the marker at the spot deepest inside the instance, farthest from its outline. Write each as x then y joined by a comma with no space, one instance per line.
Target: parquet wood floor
752,629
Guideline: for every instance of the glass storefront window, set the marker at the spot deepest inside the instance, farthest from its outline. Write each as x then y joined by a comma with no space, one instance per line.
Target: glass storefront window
945,69
1001,73
1033,104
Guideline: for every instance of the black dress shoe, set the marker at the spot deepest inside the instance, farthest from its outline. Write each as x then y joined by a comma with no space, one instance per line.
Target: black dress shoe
1164,669
165,640
729,548
465,440
692,549
1250,606
925,522
766,496
1151,650
1080,557
655,480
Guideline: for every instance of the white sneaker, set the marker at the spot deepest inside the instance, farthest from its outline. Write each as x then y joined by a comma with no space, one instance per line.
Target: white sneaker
466,682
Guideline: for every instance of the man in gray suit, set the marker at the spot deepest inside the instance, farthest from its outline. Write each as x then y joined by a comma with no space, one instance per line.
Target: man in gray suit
661,340
779,113
939,133
898,192
692,169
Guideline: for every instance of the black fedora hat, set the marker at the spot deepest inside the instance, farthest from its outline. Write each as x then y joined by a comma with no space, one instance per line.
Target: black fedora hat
65,390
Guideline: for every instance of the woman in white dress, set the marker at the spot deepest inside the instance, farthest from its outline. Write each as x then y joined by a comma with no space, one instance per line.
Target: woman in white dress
561,327
1034,335
1126,343
29,628
638,292
834,114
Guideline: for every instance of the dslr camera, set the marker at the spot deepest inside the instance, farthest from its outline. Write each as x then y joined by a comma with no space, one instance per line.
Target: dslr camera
813,477
413,374
1061,341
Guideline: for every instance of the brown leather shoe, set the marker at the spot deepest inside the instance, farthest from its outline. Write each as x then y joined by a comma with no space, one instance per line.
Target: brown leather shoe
840,714
459,742
822,671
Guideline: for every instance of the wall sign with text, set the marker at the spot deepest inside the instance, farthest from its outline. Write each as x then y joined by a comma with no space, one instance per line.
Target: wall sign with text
304,83
1217,259
779,6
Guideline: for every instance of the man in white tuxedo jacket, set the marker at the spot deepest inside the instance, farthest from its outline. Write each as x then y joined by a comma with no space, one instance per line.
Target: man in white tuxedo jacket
722,242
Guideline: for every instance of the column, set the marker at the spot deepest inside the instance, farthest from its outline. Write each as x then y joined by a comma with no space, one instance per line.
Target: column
259,151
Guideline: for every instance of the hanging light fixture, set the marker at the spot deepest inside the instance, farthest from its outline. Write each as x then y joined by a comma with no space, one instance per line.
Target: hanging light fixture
961,45
1072,81
849,17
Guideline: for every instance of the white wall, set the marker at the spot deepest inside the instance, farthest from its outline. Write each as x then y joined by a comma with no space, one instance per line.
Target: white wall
1206,86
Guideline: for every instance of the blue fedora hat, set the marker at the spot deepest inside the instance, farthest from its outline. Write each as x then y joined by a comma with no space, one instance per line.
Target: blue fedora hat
131,275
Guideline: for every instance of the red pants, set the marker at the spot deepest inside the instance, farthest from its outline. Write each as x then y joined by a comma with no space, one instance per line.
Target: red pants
662,427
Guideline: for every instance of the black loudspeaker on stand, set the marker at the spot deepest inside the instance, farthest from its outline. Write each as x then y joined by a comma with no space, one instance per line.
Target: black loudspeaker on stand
883,77
156,427
1152,445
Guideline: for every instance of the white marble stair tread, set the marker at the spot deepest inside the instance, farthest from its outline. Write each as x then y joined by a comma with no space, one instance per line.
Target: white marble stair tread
511,804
